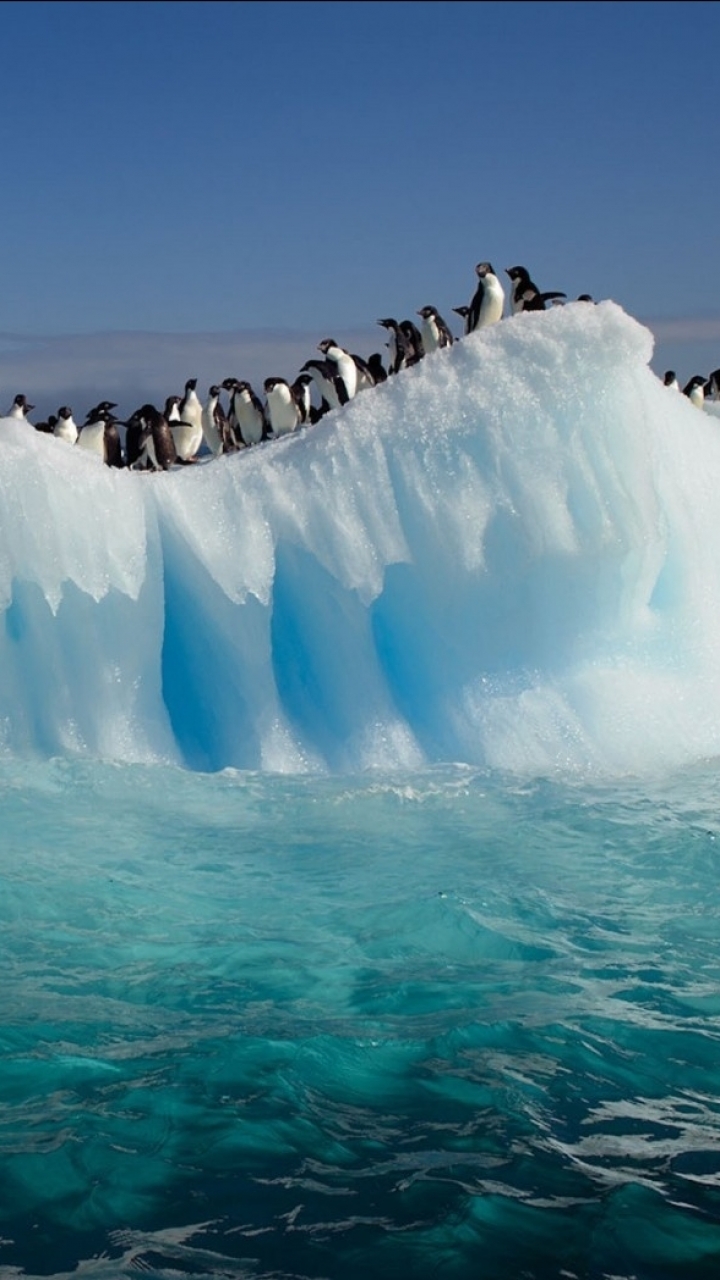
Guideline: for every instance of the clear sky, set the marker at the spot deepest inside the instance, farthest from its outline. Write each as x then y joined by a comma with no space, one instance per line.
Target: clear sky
225,168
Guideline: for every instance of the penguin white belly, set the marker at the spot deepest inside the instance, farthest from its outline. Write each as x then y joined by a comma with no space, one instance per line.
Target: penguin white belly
92,438
492,304
66,431
430,336
347,369
284,414
248,419
187,439
211,433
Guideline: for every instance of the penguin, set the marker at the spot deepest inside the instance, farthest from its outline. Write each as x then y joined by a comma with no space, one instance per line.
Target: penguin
135,431
216,429
377,369
486,304
188,436
398,352
301,390
331,388
694,390
585,297
414,342
670,380
190,411
525,295
47,428
712,386
99,434
344,363
66,427
435,332
20,408
155,444
464,313
283,408
366,377
251,424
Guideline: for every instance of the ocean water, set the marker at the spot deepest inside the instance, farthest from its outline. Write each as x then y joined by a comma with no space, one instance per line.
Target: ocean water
442,1023
359,836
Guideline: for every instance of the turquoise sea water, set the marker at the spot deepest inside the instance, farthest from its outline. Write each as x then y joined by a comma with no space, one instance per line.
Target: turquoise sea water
438,1024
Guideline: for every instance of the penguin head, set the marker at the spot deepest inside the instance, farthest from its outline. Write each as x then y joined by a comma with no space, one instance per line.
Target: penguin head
484,269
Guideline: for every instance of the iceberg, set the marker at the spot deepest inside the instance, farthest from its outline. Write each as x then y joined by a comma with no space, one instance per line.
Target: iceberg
506,556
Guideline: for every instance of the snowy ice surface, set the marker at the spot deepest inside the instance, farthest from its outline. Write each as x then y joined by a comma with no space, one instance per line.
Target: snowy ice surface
508,556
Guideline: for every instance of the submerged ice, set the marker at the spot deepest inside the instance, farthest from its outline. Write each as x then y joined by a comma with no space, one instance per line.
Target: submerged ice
505,556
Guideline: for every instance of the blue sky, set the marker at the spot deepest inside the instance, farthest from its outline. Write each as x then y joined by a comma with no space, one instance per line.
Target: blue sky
302,169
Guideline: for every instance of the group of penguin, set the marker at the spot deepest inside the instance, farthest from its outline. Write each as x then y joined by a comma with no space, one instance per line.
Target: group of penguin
698,389
187,427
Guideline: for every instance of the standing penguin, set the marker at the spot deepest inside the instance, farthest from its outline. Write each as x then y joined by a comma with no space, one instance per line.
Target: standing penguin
331,388
190,411
399,354
246,409
216,428
20,408
301,391
66,427
486,304
525,295
344,364
435,332
188,435
155,445
464,313
283,409
99,434
670,380
377,369
695,390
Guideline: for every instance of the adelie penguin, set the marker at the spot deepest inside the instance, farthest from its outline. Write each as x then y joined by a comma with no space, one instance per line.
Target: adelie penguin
216,428
66,427
301,389
100,436
413,341
331,388
695,390
247,414
525,295
283,409
670,380
464,313
712,386
188,431
47,428
149,441
488,300
399,352
435,333
20,408
346,368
